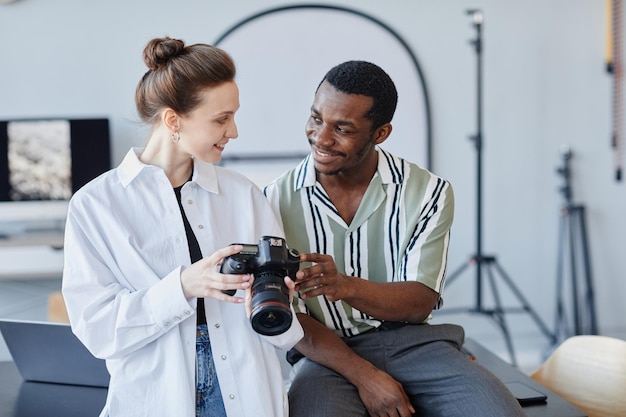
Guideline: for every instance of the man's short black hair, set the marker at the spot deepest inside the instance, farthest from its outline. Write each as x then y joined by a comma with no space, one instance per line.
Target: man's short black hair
365,78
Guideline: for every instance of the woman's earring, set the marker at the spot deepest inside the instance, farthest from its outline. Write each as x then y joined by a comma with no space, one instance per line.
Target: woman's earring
176,137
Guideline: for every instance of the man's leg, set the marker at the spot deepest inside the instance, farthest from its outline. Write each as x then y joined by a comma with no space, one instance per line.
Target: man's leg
440,379
316,391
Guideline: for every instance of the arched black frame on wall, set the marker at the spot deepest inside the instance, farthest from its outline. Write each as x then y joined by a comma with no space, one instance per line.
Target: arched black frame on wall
387,28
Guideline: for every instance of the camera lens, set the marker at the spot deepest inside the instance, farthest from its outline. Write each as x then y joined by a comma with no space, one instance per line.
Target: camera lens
271,314
271,320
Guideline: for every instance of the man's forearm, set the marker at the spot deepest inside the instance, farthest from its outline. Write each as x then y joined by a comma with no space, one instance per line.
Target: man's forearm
406,301
410,302
323,346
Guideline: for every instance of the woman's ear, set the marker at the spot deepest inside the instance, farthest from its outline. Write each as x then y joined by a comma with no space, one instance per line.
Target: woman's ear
170,120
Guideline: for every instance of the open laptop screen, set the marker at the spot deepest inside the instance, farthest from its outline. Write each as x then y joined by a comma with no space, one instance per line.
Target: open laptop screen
50,352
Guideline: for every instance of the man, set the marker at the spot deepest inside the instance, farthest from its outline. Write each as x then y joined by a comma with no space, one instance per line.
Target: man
373,230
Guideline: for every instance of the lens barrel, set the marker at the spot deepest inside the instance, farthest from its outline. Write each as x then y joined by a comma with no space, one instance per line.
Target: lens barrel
271,314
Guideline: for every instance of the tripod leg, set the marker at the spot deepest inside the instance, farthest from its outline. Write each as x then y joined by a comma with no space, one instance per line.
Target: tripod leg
498,314
525,303
560,325
589,295
573,268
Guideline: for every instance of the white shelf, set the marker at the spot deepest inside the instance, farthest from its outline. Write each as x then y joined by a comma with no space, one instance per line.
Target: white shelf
31,239
52,238
30,262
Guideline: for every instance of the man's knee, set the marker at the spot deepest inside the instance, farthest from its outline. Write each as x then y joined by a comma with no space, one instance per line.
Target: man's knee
318,391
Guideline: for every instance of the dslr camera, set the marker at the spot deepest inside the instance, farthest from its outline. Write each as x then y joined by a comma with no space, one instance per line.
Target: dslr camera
270,262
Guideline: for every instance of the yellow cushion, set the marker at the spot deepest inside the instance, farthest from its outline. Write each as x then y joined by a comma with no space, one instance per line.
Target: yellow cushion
589,372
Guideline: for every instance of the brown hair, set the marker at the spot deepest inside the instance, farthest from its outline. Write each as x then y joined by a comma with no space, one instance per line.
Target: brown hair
177,74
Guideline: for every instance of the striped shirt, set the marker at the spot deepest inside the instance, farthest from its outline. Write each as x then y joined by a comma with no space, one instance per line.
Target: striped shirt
400,232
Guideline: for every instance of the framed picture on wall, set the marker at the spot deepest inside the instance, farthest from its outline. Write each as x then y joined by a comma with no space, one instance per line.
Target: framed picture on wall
49,159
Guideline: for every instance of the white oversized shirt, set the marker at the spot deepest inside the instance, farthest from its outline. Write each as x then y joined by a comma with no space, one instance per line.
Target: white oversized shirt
125,247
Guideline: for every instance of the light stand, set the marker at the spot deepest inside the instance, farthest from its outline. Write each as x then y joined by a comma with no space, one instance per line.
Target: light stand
479,260
573,236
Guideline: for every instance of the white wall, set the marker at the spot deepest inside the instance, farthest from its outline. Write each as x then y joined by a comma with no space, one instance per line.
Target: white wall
545,85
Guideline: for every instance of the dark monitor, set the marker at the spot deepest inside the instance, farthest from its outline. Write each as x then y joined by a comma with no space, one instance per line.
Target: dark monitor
49,159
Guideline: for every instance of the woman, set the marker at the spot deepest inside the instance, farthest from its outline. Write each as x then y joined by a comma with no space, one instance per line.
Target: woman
143,248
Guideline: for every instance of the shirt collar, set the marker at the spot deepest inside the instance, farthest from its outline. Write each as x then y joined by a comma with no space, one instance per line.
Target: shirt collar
388,170
130,167
204,173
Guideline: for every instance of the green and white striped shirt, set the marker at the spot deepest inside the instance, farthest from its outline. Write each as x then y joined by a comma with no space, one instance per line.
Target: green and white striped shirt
400,232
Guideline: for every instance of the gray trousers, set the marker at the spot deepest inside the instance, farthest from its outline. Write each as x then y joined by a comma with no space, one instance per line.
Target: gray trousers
438,377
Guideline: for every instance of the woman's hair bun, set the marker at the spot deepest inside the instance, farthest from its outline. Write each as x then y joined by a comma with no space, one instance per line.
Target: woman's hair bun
158,52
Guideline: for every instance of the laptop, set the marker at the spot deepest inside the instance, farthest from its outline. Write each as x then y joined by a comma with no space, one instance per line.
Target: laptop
50,352
525,394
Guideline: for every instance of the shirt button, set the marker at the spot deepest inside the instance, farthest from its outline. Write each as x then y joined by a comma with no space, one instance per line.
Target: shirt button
200,226
231,396
217,325
177,318
187,312
223,357
190,201
166,324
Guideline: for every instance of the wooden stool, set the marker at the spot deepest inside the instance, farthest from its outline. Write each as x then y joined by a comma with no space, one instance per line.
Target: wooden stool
56,308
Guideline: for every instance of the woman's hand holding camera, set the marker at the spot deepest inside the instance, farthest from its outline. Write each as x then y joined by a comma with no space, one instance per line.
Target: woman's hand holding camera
202,279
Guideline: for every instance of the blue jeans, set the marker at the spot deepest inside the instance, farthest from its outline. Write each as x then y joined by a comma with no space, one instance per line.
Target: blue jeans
209,402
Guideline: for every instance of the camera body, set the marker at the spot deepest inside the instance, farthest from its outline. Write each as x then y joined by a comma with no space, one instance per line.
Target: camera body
269,261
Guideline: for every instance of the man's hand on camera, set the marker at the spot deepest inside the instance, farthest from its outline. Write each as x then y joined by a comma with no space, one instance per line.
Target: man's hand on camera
322,278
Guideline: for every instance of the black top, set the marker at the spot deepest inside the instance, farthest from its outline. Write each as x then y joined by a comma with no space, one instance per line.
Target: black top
194,251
